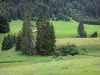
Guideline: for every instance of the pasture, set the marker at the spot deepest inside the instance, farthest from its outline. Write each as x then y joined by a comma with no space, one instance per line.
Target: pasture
14,63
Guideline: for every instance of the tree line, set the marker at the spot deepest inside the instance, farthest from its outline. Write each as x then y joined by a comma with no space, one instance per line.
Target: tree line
85,10
25,40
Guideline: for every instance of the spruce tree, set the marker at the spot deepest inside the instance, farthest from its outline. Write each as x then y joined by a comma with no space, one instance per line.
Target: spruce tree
27,39
45,36
4,25
81,30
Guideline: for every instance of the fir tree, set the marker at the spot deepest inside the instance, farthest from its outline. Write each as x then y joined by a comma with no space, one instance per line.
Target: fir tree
45,36
27,40
81,30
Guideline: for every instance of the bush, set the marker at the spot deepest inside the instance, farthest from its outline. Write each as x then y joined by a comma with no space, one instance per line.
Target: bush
94,35
70,49
73,50
63,50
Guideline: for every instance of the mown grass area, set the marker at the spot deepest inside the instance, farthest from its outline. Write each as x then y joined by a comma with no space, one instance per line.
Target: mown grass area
79,65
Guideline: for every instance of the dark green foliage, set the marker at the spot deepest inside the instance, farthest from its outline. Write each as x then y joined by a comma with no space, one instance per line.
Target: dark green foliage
45,36
63,50
67,19
94,35
13,11
56,53
73,50
55,9
27,40
85,34
4,25
91,21
18,42
8,42
70,49
80,30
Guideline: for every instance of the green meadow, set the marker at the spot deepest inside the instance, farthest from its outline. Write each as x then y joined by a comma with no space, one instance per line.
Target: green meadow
14,63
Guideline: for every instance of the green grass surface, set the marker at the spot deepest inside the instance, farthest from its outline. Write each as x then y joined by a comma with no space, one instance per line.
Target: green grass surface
79,65
69,29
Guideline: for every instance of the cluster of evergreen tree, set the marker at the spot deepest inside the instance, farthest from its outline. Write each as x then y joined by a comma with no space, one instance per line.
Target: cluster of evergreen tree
45,41
8,42
55,9
25,41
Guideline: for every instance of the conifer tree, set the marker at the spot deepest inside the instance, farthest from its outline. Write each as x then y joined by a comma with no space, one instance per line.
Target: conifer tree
27,39
45,36
81,30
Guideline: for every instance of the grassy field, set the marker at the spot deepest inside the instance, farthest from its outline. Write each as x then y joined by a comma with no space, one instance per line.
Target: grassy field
14,63
69,29
69,66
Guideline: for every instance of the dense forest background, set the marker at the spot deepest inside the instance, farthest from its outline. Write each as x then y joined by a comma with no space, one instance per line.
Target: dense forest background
55,9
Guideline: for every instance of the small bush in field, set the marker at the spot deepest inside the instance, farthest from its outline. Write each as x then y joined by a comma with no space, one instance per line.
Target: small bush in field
64,50
70,49
94,35
56,53
73,50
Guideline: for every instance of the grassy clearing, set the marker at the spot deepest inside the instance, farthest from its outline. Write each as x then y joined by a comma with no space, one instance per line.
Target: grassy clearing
75,66
69,29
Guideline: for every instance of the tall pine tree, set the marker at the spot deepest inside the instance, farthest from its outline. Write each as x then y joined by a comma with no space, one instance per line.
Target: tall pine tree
27,39
80,30
45,36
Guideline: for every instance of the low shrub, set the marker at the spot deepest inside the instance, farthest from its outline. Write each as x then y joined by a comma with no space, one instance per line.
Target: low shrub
73,49
70,49
94,35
